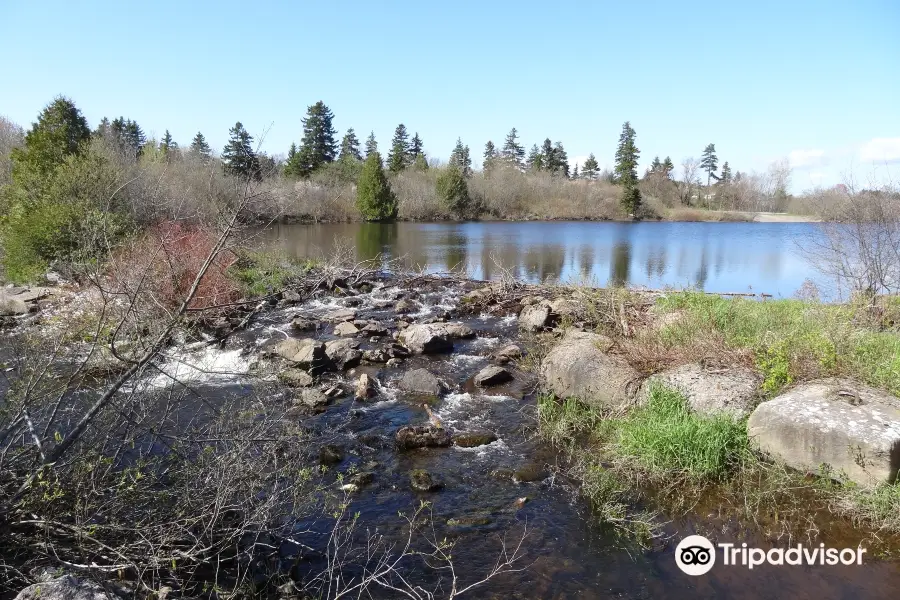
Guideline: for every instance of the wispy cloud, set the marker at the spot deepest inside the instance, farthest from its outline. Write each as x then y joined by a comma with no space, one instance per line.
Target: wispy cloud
807,159
881,150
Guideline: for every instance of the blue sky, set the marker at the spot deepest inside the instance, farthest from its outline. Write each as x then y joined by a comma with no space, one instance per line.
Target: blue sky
818,82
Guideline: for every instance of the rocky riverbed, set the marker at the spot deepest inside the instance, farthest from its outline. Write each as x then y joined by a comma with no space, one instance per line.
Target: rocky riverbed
424,389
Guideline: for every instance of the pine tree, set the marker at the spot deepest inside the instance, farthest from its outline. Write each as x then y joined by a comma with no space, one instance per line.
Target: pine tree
575,171
560,164
317,146
535,160
489,156
453,191
200,147
656,166
590,169
627,155
371,144
167,143
668,168
103,129
726,174
461,159
292,166
709,162
415,149
350,146
420,164
374,198
238,156
513,153
399,152
547,154
60,131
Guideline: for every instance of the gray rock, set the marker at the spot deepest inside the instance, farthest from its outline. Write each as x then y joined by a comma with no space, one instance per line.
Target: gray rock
419,436
566,307
314,398
346,329
852,428
307,353
732,391
535,317
340,315
472,439
303,324
403,307
492,375
507,353
291,297
11,306
365,387
296,377
423,481
433,338
344,354
579,367
376,355
375,330
421,381
330,454
394,362
66,587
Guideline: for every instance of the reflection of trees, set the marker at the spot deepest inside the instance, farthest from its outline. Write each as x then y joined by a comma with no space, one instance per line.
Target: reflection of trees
618,267
374,238
544,261
703,269
586,260
455,249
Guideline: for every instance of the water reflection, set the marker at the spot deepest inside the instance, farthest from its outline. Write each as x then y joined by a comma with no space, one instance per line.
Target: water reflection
719,257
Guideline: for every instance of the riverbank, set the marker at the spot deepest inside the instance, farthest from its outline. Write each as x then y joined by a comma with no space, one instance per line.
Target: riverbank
341,364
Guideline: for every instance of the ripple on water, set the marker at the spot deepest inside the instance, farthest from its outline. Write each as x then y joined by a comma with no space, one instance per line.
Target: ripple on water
207,365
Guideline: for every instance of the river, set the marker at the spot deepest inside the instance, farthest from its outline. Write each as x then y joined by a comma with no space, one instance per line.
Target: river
715,257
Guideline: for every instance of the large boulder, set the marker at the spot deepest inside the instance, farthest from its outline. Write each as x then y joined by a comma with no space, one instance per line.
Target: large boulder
433,338
307,353
578,366
535,317
343,354
11,306
491,375
421,381
732,391
66,587
852,428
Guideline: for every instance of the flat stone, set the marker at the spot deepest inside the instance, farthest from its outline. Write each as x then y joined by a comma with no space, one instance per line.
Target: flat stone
295,377
434,338
852,428
341,314
309,354
419,436
491,375
472,439
346,329
314,398
732,391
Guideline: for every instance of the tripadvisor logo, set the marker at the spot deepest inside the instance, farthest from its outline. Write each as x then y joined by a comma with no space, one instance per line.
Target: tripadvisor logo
696,555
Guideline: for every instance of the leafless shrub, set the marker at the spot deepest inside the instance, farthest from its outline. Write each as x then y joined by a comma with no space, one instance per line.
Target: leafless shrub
11,136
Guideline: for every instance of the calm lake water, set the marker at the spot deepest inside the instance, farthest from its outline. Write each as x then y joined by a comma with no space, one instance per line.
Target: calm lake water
716,257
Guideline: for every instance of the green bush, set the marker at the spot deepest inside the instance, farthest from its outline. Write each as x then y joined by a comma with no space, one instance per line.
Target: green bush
374,198
453,191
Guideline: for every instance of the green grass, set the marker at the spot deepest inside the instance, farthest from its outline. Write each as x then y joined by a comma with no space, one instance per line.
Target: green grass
793,340
665,438
262,273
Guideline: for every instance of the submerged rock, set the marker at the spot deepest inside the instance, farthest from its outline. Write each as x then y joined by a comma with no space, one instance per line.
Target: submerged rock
421,381
473,439
852,428
434,338
423,481
365,387
528,473
578,367
731,391
66,587
491,375
331,454
403,307
469,521
344,354
419,436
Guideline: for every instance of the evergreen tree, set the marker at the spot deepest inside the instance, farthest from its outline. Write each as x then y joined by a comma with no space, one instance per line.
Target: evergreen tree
490,155
167,143
461,159
726,174
590,169
627,155
238,156
575,171
318,146
709,162
293,167
668,168
656,166
129,134
535,160
200,147
547,154
103,129
371,144
560,163
60,131
453,191
420,164
350,146
399,152
513,152
415,149
374,198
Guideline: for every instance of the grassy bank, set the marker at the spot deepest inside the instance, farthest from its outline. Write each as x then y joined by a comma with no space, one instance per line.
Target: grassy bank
663,457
